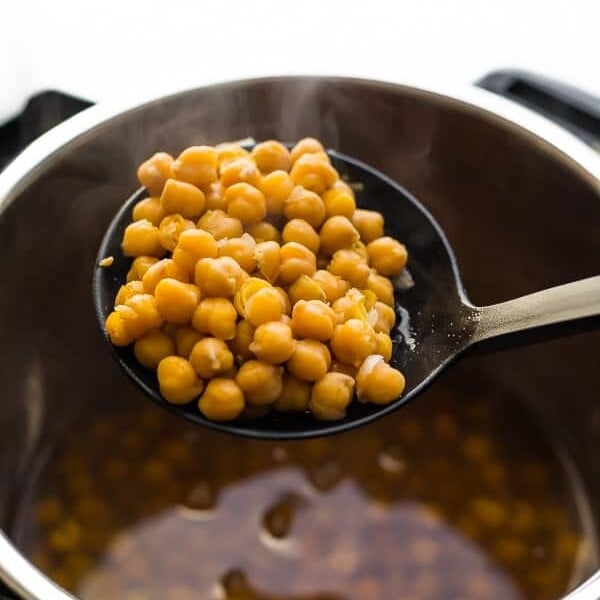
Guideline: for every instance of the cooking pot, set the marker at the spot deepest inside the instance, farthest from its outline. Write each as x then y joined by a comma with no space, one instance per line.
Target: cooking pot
518,196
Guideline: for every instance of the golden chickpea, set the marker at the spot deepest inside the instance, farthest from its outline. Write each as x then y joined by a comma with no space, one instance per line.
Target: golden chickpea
307,145
299,231
296,260
196,165
349,265
240,170
220,225
211,357
268,260
304,204
128,290
141,239
305,288
182,198
160,270
170,229
313,173
381,286
264,232
149,209
214,196
336,233
152,347
216,316
383,346
271,156
353,341
219,276
295,395
263,306
139,266
177,380
340,202
154,172
333,286
310,360
276,186
241,249
369,224
227,151
144,305
246,203
386,318
223,400
185,340
176,301
330,396
249,287
260,382
378,382
273,342
240,344
118,325
387,256
192,245
285,299
313,319
339,367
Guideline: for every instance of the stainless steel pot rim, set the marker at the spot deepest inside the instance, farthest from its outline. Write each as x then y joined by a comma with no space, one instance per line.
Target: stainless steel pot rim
15,570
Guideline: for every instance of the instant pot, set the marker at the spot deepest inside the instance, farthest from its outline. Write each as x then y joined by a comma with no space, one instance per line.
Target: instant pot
517,195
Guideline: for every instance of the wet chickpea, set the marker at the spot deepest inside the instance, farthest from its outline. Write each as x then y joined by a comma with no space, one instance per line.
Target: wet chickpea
387,256
185,339
214,196
170,228
296,260
228,151
299,231
264,232
192,245
378,382
349,265
304,204
310,360
339,202
305,288
240,170
330,396
381,286
176,301
313,173
139,266
179,197
196,165
369,224
260,382
149,209
152,347
223,400
313,319
386,318
220,225
271,156
353,341
307,145
246,203
218,276
294,396
128,290
273,342
243,338
160,270
336,233
241,250
215,316
276,186
211,357
333,286
154,172
263,306
141,239
268,259
177,380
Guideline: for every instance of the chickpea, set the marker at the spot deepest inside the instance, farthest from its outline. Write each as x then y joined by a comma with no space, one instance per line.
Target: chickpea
339,202
369,224
310,360
220,224
240,344
313,173
305,288
296,260
249,287
276,186
152,347
219,276
273,342
285,299
295,395
160,270
192,245
154,172
349,265
263,306
339,367
228,151
149,209
299,231
223,400
313,319
246,203
268,260
336,233
306,145
216,316
196,165
211,357
139,266
128,290
330,396
182,198
177,380
264,232
141,239
333,286
304,204
387,256
120,325
176,301
170,229
185,339
353,341
240,170
241,250
378,382
148,316
383,346
214,196
381,286
271,156
260,381
386,318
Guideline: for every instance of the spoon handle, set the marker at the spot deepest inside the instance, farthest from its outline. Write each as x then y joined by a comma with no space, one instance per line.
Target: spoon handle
554,305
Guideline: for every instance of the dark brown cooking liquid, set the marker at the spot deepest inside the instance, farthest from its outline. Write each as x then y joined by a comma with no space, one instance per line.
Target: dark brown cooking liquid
439,501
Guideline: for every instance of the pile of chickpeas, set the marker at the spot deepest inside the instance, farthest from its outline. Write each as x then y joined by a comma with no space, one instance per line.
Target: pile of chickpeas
256,283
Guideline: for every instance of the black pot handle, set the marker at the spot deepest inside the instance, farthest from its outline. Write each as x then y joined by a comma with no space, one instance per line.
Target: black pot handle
572,108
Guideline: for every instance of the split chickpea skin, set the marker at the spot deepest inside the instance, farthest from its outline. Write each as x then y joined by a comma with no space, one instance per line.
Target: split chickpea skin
257,284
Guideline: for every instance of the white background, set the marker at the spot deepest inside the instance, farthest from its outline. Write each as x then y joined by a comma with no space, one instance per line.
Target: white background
106,49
